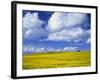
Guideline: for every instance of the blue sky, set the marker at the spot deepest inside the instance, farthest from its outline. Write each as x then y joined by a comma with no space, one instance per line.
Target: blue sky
55,31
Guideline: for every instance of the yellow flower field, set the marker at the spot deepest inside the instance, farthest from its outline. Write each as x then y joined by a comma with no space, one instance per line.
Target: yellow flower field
56,60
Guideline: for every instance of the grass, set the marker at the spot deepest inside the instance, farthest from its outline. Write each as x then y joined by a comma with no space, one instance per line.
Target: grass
56,60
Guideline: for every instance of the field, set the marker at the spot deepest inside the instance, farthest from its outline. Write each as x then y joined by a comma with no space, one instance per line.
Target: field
56,60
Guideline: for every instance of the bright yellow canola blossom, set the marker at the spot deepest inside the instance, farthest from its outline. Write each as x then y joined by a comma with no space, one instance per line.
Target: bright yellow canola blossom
56,60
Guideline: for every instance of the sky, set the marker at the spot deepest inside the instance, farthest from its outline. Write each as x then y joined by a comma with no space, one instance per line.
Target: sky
45,31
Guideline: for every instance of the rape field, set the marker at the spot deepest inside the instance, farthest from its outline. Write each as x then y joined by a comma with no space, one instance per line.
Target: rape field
56,60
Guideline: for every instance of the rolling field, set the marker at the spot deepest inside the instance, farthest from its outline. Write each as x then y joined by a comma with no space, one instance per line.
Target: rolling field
56,60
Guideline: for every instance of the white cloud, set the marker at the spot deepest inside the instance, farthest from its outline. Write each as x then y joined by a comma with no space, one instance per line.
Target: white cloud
31,20
74,34
28,49
60,20
88,41
32,26
55,23
71,49
67,27
41,49
50,49
61,27
32,49
73,19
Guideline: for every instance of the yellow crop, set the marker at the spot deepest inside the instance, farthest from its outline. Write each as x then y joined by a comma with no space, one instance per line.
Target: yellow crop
56,60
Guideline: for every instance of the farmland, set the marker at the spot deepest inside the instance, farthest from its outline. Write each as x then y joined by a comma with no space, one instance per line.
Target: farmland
56,60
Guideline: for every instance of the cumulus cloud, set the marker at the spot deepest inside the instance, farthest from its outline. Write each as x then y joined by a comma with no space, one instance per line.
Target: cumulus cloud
32,26
67,27
66,34
60,20
75,34
61,26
